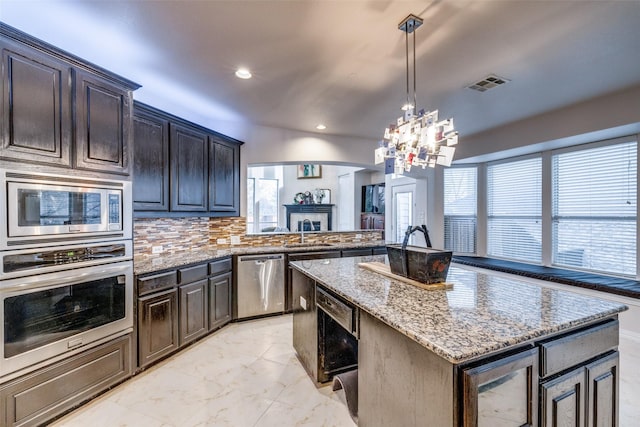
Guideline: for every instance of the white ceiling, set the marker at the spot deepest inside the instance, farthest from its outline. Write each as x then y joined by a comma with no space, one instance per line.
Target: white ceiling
343,62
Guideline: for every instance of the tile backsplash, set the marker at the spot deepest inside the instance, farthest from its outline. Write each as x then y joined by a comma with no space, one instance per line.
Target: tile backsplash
191,233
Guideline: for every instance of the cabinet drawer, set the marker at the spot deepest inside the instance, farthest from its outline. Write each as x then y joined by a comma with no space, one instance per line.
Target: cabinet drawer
220,266
567,351
356,252
36,398
381,250
157,282
191,274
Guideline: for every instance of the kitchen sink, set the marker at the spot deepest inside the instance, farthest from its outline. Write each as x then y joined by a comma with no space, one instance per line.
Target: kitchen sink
306,245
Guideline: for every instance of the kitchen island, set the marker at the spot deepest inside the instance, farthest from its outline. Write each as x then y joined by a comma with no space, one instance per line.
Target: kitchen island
492,350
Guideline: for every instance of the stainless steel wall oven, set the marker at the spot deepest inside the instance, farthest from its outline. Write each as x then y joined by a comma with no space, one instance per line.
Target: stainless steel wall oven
66,267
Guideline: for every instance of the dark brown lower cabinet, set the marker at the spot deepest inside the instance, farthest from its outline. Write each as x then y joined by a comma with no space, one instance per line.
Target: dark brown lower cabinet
176,307
305,321
36,398
157,326
219,300
603,399
563,400
502,392
193,311
586,396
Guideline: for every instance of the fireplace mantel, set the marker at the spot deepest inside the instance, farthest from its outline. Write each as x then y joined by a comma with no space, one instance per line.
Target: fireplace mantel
313,209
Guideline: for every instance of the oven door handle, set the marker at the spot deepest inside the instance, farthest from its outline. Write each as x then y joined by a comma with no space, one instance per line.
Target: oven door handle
66,277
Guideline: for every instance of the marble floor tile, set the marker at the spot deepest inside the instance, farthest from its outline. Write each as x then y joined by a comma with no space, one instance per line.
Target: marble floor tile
247,374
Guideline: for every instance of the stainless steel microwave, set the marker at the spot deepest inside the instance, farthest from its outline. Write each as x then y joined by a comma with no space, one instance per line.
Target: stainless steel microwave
45,209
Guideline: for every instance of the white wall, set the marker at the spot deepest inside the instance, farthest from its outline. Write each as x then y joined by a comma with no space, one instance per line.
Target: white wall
606,117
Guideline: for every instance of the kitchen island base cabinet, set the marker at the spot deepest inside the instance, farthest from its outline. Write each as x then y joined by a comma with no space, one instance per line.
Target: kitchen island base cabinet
603,398
584,397
36,398
502,392
400,383
305,322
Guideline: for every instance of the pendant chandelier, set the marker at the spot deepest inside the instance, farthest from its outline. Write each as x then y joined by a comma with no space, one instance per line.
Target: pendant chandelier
415,139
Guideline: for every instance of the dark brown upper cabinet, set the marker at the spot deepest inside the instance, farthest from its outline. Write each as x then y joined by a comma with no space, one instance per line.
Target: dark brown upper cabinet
150,161
36,99
224,176
189,169
200,175
103,111
48,94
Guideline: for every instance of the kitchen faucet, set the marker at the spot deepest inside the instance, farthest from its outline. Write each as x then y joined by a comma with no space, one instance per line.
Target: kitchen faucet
304,221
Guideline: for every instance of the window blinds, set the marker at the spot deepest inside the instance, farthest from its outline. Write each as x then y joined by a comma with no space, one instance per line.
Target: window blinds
594,208
514,210
460,209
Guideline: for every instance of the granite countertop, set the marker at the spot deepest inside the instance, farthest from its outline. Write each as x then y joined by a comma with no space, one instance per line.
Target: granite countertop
143,264
482,314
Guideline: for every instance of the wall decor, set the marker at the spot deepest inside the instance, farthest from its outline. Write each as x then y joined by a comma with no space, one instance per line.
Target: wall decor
309,171
322,195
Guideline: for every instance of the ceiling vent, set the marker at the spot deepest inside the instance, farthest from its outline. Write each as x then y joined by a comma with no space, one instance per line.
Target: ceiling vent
488,82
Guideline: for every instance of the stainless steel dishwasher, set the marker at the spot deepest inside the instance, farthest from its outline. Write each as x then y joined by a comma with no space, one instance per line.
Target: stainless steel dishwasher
260,285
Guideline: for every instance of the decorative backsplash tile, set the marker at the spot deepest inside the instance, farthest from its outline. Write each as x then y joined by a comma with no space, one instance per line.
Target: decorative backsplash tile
173,234
192,233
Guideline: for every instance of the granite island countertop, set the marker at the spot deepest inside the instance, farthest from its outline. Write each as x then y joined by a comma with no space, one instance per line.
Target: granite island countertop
144,264
482,314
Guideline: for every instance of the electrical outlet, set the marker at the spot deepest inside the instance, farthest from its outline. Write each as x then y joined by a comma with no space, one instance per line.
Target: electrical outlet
358,236
221,241
303,303
235,240
156,249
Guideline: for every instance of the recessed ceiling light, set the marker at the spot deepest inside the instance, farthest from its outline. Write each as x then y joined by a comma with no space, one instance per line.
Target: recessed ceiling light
320,126
243,73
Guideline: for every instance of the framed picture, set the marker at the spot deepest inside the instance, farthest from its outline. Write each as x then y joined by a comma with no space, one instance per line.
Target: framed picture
309,171
322,195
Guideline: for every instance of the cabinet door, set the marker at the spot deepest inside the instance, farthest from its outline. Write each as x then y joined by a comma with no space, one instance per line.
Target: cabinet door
563,400
157,326
150,162
224,177
378,222
503,392
36,122
103,125
305,321
603,401
365,221
193,311
189,169
219,300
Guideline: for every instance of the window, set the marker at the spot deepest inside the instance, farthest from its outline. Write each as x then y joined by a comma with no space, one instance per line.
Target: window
514,210
594,208
460,209
263,194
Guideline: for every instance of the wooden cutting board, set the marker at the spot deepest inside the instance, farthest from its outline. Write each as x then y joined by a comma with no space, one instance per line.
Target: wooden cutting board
384,269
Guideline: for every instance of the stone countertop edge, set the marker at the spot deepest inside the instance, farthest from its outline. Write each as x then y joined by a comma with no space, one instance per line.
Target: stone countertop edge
145,264
445,323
